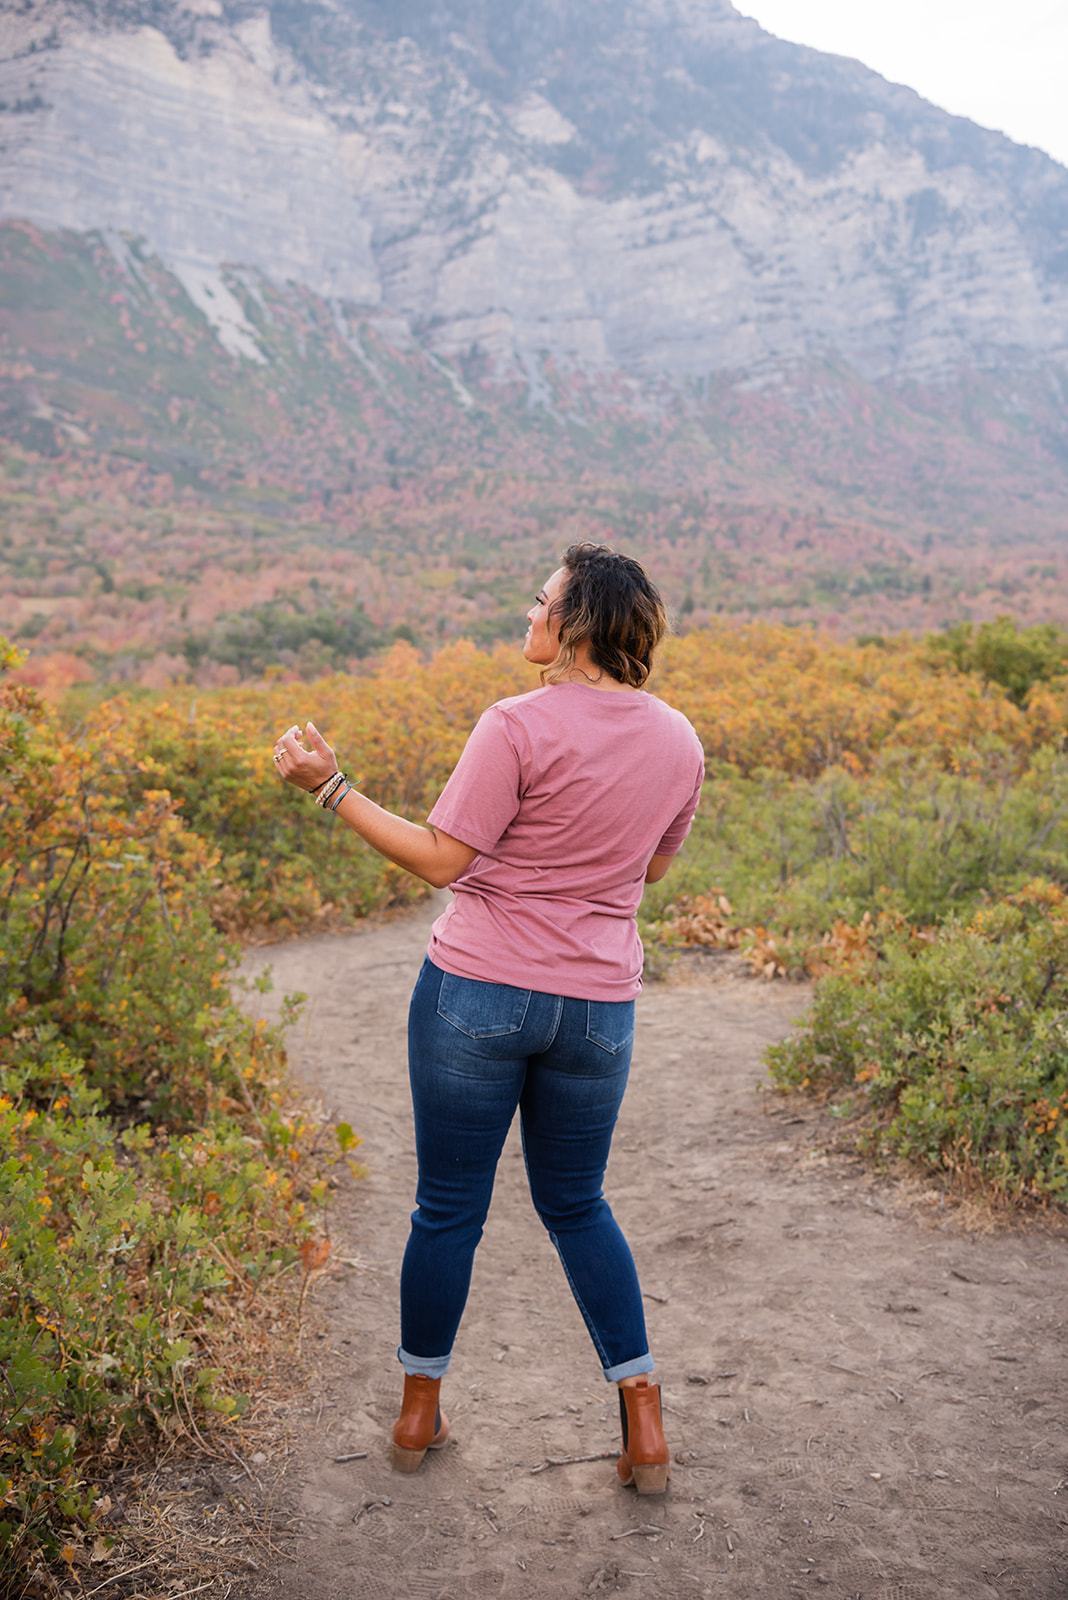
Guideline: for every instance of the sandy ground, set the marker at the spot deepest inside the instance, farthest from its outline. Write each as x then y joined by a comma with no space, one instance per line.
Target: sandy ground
862,1398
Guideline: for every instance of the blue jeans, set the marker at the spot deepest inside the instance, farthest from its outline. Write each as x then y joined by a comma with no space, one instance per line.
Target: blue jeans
476,1051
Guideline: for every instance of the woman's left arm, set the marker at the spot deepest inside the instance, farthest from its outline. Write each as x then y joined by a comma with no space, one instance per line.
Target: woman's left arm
430,854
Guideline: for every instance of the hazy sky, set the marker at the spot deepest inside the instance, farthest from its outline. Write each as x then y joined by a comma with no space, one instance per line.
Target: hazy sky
1005,66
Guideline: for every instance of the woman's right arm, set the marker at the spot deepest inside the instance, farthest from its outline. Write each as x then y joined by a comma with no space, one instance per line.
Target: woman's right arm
658,865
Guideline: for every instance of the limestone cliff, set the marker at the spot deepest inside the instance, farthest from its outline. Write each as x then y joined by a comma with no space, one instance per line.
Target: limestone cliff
654,187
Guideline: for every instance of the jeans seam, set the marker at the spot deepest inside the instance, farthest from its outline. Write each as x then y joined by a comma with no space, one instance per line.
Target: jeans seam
594,1335
556,1023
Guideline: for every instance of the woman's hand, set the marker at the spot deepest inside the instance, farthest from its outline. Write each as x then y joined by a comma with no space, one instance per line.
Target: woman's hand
305,769
434,856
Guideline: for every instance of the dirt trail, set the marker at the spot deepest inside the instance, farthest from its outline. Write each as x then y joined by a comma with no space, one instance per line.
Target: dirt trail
862,1399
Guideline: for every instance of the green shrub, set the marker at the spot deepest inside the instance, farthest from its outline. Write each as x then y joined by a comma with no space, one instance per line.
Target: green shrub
116,1255
1004,653
952,1045
797,855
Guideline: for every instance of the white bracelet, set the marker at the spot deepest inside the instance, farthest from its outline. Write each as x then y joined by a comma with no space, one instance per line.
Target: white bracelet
335,780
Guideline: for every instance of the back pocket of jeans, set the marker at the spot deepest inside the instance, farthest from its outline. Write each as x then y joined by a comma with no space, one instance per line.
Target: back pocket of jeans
610,1023
482,1010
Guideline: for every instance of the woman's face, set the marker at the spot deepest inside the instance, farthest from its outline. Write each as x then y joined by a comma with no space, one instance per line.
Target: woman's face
542,641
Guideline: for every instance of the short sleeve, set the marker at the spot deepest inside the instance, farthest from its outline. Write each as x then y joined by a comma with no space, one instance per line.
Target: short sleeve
671,842
481,796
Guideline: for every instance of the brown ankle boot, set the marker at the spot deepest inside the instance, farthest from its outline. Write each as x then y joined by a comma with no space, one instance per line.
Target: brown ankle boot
645,1458
421,1426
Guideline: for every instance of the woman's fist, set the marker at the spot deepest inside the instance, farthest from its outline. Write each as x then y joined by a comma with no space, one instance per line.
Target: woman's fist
306,769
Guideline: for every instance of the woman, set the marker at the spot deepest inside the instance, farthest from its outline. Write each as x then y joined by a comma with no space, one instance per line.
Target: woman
565,802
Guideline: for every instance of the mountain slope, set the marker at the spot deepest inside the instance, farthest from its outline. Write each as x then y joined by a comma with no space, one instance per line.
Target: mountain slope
655,186
326,322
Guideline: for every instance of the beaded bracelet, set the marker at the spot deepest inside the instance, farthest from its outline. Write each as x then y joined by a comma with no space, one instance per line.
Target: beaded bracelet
335,780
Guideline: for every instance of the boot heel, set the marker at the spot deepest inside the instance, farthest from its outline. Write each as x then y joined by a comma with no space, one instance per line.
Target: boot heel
405,1460
651,1479
421,1418
643,1438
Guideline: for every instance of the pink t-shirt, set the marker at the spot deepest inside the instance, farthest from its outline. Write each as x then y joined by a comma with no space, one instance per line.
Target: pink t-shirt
567,791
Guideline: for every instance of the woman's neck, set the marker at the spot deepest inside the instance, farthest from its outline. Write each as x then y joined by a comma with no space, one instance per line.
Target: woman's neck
606,682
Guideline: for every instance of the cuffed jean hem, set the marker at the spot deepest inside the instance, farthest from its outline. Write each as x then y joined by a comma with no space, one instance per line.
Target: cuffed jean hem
426,1366
627,1369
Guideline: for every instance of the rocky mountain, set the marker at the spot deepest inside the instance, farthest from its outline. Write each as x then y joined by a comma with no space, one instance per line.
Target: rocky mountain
657,188
324,322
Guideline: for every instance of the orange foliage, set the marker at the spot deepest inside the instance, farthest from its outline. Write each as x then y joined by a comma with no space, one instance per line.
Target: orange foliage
761,696
798,700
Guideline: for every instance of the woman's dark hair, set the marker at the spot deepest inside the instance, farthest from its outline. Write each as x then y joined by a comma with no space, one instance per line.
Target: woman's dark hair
608,603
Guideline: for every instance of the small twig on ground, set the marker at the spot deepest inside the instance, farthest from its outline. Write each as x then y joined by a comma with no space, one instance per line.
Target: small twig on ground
646,1528
116,1576
205,1446
353,1455
372,1505
569,1461
247,1470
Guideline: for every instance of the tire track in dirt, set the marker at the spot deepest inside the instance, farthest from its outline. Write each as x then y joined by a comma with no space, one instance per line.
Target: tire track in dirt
863,1401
